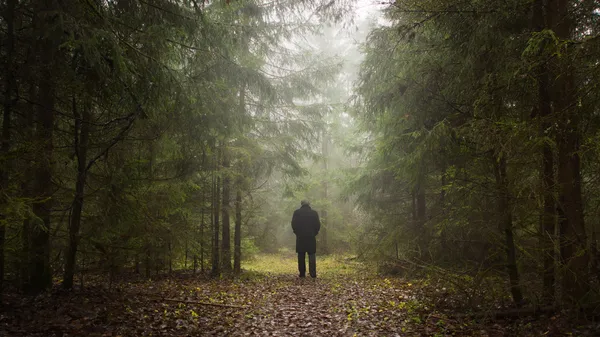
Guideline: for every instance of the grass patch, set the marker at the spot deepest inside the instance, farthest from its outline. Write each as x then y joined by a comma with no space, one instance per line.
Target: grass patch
285,263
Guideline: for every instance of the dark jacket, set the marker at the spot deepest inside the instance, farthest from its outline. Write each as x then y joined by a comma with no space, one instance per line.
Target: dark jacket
306,226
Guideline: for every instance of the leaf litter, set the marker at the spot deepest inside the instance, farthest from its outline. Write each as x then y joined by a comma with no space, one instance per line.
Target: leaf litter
260,304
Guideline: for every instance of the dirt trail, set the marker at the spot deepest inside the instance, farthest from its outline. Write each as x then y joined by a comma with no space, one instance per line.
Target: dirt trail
326,307
266,300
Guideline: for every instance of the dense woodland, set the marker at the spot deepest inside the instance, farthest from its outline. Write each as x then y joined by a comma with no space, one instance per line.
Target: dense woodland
484,120
139,134
456,140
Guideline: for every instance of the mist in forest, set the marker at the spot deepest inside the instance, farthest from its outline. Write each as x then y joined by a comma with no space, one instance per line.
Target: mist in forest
162,147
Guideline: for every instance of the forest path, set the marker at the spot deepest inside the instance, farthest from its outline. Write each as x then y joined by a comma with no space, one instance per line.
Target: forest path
268,299
328,307
347,299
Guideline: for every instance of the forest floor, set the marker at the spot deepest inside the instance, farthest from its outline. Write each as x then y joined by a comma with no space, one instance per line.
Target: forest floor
267,300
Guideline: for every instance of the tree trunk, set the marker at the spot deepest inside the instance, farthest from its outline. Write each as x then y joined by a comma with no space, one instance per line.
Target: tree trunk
446,251
215,268
573,240
237,235
324,216
548,216
82,132
170,247
226,208
6,122
147,266
41,277
201,237
506,226
421,218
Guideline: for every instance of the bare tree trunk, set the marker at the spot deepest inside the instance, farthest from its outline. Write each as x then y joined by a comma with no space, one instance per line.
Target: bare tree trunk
237,235
548,216
147,266
573,240
506,226
421,218
170,247
226,208
82,131
40,238
548,219
215,268
324,216
6,121
201,237
447,252
185,260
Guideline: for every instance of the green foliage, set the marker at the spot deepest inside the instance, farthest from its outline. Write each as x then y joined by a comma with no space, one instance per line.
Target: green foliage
447,93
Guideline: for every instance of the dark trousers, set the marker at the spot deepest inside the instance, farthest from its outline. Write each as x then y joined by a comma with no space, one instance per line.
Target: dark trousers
312,264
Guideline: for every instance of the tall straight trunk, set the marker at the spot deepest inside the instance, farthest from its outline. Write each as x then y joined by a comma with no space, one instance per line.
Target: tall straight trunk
42,187
548,225
324,216
170,247
82,133
421,217
226,208
40,238
548,216
237,234
26,191
447,255
506,227
419,211
27,127
421,207
215,268
6,121
201,237
147,266
573,240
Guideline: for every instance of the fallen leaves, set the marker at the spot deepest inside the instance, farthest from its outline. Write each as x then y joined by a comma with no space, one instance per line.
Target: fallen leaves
339,304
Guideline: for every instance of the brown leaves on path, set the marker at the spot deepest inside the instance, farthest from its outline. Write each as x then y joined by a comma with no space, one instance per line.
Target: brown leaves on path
256,304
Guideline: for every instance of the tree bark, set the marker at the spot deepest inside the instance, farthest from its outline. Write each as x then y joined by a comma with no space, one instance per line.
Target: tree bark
324,216
226,209
506,226
573,241
421,217
82,133
27,185
41,277
201,237
237,235
548,216
6,122
215,268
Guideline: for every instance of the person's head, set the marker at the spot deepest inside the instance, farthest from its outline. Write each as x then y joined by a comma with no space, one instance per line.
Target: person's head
304,203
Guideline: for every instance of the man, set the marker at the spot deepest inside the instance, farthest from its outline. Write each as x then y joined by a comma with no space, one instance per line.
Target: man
306,226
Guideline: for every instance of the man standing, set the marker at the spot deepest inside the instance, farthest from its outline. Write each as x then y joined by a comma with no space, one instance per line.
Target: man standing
306,226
